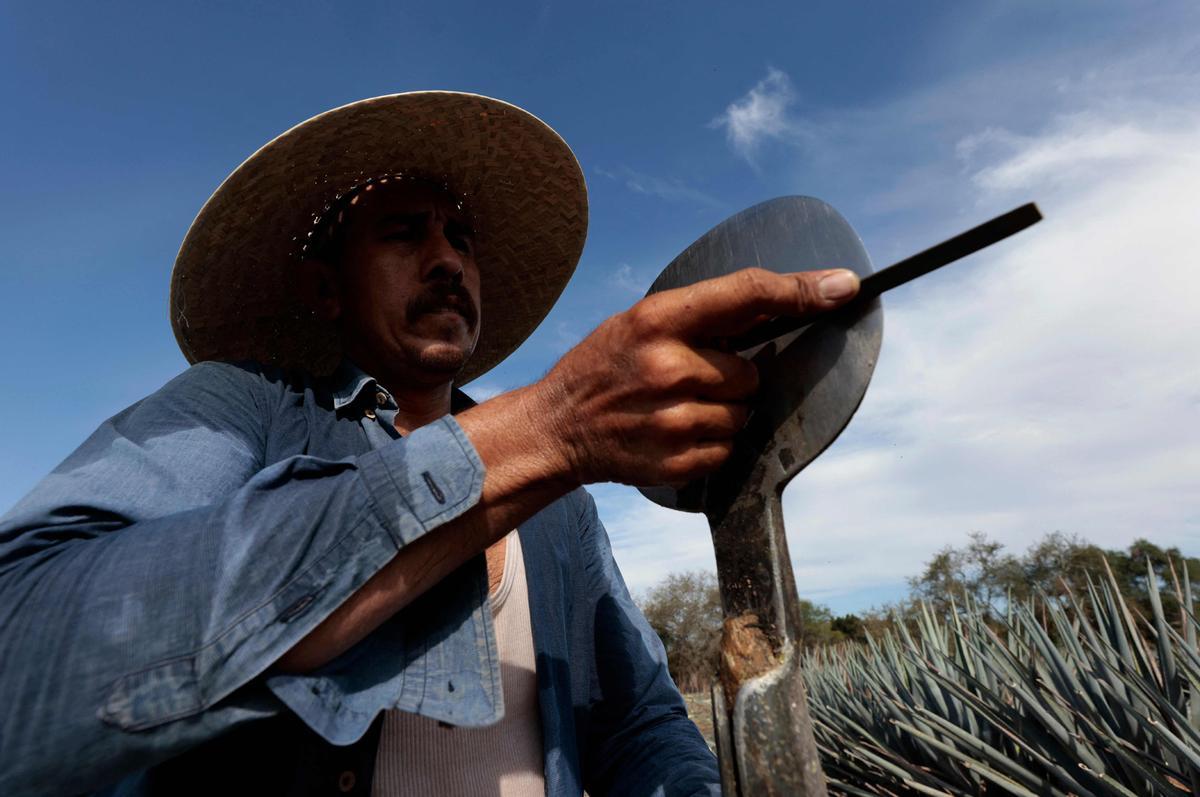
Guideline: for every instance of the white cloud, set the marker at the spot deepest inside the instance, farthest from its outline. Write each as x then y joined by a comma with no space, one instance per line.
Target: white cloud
760,115
482,391
1049,383
1054,386
1084,145
565,338
669,188
625,279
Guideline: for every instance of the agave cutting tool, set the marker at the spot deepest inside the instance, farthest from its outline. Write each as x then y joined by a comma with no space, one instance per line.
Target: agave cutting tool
813,375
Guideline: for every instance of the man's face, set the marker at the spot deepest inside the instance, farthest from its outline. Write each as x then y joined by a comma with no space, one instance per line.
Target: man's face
408,283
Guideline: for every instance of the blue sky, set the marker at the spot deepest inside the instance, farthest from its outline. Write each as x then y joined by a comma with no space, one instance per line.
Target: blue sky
1050,384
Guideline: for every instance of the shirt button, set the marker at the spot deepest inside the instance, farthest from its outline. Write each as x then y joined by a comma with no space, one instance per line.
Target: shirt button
381,399
346,781
370,413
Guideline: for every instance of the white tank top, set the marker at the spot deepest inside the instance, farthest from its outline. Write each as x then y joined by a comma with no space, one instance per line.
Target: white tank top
419,756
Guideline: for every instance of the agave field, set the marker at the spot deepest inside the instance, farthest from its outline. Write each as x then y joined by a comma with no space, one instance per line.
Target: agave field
1078,696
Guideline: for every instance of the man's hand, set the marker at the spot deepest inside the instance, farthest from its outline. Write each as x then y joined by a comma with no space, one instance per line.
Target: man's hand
650,397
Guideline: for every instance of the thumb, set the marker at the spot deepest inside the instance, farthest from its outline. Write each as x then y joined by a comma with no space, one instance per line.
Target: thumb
732,304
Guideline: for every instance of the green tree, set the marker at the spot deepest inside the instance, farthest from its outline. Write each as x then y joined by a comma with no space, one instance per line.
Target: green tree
684,609
1050,567
1057,558
815,624
980,570
850,626
1169,567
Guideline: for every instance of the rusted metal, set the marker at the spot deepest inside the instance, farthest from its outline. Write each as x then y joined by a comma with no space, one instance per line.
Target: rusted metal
813,378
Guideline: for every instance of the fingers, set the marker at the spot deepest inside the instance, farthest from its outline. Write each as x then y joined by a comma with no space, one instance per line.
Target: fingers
681,371
732,304
726,377
647,399
689,422
692,439
700,460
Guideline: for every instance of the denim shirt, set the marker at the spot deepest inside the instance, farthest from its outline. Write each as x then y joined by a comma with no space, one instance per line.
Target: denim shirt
150,581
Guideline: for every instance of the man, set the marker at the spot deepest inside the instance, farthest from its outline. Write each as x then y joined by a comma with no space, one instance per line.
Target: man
266,578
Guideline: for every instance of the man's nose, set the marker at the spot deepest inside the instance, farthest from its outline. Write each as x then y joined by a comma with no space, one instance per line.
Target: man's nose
442,260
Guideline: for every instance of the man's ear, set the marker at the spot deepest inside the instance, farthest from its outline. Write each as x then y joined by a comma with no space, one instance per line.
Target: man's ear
320,288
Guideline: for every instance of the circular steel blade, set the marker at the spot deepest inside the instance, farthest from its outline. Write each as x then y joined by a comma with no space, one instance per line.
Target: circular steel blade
812,380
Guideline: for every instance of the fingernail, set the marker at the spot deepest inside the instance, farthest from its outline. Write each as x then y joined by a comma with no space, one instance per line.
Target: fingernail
838,285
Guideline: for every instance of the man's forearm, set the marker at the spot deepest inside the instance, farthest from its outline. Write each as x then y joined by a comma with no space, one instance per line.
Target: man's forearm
640,401
523,475
129,633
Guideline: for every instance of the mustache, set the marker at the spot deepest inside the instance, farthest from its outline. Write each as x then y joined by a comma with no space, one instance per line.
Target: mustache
441,296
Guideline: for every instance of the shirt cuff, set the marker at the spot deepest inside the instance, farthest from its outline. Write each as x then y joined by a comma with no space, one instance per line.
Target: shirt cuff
427,480
424,481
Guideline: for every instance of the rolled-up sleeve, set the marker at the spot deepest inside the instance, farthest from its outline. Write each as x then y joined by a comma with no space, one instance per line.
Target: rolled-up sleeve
163,566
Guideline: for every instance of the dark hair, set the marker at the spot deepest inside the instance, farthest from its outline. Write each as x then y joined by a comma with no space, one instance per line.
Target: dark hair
327,238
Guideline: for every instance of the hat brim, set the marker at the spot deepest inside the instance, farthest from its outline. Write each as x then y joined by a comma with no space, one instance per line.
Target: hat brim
232,292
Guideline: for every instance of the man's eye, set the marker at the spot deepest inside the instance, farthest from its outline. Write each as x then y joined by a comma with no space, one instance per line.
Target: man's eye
405,233
459,236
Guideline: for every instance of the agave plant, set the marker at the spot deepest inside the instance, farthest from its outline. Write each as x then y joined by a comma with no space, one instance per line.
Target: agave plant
1085,699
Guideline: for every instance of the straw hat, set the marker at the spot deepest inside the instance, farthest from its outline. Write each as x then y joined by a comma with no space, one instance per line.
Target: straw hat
232,296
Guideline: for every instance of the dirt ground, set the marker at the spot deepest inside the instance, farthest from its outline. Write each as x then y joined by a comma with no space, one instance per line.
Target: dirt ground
699,707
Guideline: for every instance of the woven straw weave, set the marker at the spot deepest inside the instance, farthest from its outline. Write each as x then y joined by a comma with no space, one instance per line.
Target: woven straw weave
232,296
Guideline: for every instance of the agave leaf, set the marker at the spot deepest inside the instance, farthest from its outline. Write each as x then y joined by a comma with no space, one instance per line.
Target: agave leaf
1048,697
846,788
1006,719
1175,583
1103,659
1138,648
1060,748
1037,744
1052,717
1190,664
1175,718
1166,656
1122,691
960,648
1158,729
1133,667
1189,661
1188,609
1110,783
901,768
923,789
984,770
1147,767
1139,761
1112,623
1067,684
1034,743
1084,669
997,757
931,630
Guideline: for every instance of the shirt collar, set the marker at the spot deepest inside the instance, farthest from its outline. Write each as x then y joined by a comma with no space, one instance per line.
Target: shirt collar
349,381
